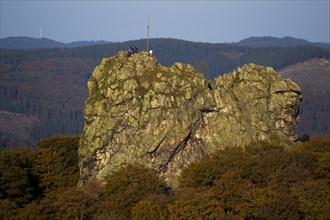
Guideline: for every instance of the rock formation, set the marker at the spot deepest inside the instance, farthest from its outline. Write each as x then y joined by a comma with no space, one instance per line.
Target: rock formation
139,111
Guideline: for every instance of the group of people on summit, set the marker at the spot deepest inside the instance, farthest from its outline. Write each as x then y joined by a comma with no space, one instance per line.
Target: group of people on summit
133,49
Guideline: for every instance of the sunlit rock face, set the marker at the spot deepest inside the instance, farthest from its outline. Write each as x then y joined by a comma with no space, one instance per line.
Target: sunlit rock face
139,111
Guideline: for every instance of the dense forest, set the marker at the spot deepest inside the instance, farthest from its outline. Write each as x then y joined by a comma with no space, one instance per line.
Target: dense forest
42,91
218,58
262,181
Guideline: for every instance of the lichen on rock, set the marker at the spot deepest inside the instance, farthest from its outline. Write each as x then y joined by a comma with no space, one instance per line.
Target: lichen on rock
139,111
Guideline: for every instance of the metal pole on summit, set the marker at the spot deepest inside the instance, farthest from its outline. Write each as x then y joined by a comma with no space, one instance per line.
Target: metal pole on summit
148,34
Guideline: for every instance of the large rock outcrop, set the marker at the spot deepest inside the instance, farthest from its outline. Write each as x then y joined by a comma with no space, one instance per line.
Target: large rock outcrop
139,111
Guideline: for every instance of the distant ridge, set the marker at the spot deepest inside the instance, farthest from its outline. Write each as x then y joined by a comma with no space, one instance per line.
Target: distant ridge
39,43
28,43
86,43
268,41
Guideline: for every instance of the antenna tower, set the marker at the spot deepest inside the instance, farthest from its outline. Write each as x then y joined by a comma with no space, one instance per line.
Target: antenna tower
40,34
148,31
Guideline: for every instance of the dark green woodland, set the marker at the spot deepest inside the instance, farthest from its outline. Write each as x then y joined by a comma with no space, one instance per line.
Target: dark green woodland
264,180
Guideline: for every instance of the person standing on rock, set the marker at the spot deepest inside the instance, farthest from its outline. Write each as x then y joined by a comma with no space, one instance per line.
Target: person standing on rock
132,50
135,49
129,52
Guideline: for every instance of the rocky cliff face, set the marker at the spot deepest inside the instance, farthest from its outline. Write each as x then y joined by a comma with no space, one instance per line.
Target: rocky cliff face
139,111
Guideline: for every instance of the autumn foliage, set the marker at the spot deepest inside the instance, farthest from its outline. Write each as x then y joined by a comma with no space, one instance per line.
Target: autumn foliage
264,180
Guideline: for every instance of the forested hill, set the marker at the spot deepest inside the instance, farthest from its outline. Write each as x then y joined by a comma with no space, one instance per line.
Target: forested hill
42,91
41,43
279,42
28,43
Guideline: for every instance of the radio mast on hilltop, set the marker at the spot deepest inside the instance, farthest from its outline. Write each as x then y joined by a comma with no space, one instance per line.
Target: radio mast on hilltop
40,33
148,34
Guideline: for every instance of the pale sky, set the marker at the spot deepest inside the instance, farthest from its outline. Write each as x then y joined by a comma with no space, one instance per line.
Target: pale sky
200,21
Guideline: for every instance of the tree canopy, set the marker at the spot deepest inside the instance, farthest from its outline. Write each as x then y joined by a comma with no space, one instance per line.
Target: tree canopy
264,180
